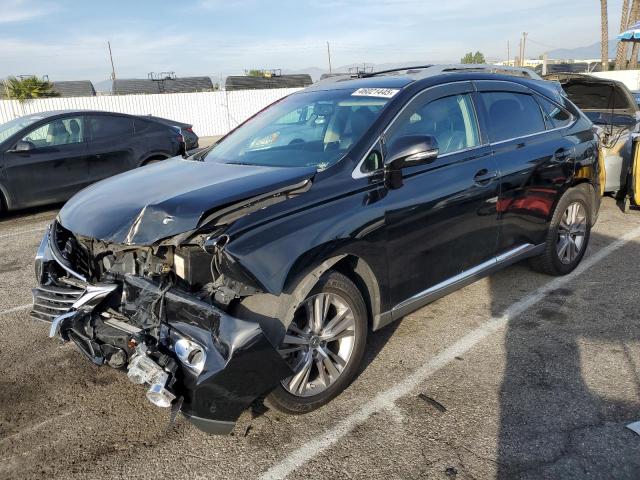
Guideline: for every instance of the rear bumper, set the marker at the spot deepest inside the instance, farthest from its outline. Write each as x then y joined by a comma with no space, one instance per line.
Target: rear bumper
110,323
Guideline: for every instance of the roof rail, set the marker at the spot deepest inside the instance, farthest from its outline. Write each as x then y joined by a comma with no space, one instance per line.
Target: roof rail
392,70
483,67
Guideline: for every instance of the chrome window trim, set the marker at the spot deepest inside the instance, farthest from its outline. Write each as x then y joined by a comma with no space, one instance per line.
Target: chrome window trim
573,121
357,173
533,93
528,135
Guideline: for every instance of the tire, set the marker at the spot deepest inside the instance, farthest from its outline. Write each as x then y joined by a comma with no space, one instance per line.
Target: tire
152,160
555,260
339,293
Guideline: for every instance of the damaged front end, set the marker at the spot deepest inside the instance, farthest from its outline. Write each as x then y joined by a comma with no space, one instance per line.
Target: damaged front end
161,313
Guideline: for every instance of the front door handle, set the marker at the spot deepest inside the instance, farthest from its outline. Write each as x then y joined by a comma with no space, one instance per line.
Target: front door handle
485,176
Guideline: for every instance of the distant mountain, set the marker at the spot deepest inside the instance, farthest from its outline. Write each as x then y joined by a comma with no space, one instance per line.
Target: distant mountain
591,51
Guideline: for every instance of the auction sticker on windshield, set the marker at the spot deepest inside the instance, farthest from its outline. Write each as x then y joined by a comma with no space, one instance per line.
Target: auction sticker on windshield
375,92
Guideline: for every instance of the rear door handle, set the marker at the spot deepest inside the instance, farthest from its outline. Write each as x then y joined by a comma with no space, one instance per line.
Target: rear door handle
485,176
562,154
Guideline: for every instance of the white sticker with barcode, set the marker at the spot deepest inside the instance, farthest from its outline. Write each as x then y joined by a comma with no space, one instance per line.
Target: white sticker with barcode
375,92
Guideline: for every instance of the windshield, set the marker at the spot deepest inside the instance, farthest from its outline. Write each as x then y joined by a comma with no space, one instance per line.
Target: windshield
15,125
305,129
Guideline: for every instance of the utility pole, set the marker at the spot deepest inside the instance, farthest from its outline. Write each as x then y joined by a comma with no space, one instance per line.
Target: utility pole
113,70
508,53
524,45
329,55
519,64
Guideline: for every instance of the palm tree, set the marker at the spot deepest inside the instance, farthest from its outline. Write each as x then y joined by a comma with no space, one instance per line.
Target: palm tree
28,87
633,17
604,35
621,52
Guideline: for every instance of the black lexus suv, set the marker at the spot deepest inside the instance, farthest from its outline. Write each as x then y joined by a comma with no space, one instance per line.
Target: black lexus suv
255,269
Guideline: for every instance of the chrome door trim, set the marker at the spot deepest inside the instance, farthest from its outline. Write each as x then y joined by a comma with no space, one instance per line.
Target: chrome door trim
458,281
356,173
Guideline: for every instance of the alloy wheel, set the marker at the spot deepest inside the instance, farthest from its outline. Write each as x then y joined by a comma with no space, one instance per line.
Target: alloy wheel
318,344
571,233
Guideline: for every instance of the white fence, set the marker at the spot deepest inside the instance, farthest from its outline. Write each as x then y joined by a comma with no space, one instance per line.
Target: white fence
210,113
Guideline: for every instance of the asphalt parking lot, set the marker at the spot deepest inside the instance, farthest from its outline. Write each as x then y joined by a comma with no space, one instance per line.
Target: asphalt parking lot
517,376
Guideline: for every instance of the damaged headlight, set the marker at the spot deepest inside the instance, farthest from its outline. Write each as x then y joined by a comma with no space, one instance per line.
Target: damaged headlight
190,354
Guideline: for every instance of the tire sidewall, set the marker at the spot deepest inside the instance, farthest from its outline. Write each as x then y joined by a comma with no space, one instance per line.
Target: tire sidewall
338,284
571,196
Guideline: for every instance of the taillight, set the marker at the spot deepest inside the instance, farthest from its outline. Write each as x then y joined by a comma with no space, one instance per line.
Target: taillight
189,129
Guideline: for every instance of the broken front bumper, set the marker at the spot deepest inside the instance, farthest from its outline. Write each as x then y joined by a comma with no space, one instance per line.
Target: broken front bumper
119,324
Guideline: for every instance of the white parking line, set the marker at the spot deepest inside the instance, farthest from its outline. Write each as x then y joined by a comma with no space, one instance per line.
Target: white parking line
386,400
22,232
35,427
15,309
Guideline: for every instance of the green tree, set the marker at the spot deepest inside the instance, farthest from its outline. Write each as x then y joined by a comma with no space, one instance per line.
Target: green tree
471,57
255,73
28,87
468,58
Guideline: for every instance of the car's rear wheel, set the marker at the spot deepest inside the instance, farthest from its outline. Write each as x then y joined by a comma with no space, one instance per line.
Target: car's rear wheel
324,345
568,234
153,160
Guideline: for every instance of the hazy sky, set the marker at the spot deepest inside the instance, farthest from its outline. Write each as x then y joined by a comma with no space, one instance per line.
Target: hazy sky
67,39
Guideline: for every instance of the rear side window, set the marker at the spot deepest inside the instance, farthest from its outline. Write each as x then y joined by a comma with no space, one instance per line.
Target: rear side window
106,126
555,116
144,126
512,115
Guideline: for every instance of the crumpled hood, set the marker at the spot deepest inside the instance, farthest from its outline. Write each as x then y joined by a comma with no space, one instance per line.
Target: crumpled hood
148,204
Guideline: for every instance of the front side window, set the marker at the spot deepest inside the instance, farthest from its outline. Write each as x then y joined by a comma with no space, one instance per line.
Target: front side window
555,116
107,126
62,131
314,129
451,120
512,115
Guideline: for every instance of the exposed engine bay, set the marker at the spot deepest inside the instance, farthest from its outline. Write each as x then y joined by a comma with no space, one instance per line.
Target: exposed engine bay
163,313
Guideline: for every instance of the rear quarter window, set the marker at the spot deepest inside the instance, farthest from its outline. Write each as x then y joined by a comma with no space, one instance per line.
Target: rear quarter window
512,115
145,126
107,126
556,116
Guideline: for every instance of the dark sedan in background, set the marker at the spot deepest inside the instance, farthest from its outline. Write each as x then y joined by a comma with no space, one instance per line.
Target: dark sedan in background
47,157
186,130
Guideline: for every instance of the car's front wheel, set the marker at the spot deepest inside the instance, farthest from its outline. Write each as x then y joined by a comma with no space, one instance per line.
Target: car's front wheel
324,345
568,234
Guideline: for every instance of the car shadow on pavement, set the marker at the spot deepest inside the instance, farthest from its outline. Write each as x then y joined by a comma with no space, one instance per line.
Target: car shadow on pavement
572,376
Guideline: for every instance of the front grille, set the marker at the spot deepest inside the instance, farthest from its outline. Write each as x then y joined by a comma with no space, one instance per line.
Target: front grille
71,251
50,302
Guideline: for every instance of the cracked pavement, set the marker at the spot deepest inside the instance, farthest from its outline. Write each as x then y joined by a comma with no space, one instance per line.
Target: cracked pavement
548,396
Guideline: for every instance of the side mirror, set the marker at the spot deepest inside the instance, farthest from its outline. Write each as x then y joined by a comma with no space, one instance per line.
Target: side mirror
407,151
23,146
